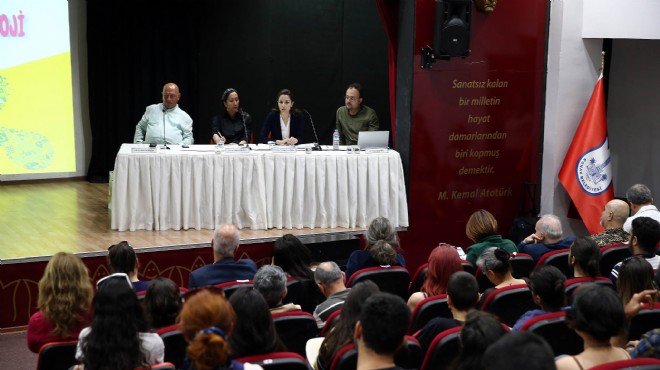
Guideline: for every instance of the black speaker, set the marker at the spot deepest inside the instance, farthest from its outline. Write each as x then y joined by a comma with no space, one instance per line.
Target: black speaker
452,28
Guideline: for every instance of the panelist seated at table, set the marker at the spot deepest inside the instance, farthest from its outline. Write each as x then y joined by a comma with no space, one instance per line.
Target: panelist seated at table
233,125
354,117
165,123
284,125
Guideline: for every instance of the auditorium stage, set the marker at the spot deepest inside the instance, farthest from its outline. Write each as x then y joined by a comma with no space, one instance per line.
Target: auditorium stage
39,219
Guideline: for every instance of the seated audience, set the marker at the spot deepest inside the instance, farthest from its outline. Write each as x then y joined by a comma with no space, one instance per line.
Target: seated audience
596,315
462,296
341,334
225,242
122,258
270,281
65,296
644,237
382,248
330,280
296,260
614,215
647,346
481,228
162,302
207,320
380,331
481,329
641,205
118,337
519,350
546,284
584,257
546,238
495,263
443,262
636,275
254,332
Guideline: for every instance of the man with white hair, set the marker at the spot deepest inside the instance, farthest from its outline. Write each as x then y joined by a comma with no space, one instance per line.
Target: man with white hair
641,204
546,238
225,242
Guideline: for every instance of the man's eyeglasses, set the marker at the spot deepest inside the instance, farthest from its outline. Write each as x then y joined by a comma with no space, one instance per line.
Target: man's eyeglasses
351,98
116,274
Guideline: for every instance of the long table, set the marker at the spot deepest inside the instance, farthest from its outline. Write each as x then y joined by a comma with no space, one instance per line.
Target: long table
184,188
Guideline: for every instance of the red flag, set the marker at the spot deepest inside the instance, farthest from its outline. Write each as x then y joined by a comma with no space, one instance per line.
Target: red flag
587,171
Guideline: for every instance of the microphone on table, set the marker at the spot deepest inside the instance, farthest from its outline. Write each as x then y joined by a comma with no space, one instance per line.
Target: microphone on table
247,138
164,137
316,144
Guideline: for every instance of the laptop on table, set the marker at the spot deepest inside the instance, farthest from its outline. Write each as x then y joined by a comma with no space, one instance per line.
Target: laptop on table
373,139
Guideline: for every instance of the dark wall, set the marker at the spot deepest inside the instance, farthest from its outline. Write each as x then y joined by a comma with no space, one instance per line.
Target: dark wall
314,48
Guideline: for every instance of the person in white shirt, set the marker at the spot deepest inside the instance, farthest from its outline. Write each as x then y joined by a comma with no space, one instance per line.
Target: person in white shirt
641,205
177,123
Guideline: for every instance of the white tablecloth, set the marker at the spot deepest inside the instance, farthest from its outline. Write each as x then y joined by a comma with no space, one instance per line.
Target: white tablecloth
196,188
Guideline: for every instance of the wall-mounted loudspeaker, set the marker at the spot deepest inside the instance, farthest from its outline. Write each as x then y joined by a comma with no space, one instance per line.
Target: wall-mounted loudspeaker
452,28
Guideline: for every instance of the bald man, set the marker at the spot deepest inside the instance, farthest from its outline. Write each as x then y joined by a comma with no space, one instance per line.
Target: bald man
546,238
614,214
177,123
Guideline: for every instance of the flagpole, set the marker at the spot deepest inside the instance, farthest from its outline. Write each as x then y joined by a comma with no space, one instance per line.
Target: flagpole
602,62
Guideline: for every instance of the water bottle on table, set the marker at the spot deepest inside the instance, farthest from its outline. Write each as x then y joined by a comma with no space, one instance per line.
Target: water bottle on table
335,140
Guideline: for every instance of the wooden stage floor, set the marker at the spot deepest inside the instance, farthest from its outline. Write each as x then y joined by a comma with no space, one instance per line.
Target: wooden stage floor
39,219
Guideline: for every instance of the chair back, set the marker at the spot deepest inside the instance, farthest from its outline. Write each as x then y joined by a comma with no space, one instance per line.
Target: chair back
429,308
522,265
631,364
57,355
573,284
482,280
552,327
277,361
175,344
303,292
391,279
418,279
509,303
230,287
295,328
330,322
345,358
610,255
647,319
408,357
468,267
559,259
443,349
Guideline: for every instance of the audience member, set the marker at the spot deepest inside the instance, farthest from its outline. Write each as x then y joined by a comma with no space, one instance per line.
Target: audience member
122,258
178,124
270,281
596,315
635,276
254,332
443,262
644,237
225,242
612,219
341,334
284,124
382,246
481,329
547,238
65,296
354,117
233,125
118,337
584,257
546,284
481,228
162,302
293,257
462,296
330,280
495,263
380,331
647,346
207,320
519,350
641,205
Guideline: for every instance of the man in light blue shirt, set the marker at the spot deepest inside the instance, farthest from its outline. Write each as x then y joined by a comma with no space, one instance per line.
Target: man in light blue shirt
177,123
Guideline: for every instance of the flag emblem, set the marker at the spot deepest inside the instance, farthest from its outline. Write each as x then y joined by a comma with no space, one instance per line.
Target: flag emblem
593,169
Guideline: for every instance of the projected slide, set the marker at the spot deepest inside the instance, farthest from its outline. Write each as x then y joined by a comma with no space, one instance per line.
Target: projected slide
36,104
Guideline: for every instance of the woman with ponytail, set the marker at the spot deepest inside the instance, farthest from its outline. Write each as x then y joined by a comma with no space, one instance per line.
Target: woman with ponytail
382,248
495,263
547,286
206,321
584,257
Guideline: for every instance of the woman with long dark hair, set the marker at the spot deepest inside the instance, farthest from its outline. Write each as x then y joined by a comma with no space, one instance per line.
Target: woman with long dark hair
117,338
284,124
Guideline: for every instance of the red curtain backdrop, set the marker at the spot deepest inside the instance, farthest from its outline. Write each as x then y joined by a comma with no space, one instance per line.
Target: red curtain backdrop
389,10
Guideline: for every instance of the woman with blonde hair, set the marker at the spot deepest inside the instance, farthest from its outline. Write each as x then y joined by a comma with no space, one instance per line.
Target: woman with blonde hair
481,228
65,297
206,321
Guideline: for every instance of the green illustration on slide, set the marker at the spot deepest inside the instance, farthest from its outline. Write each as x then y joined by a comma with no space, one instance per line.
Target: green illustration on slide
4,91
28,149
